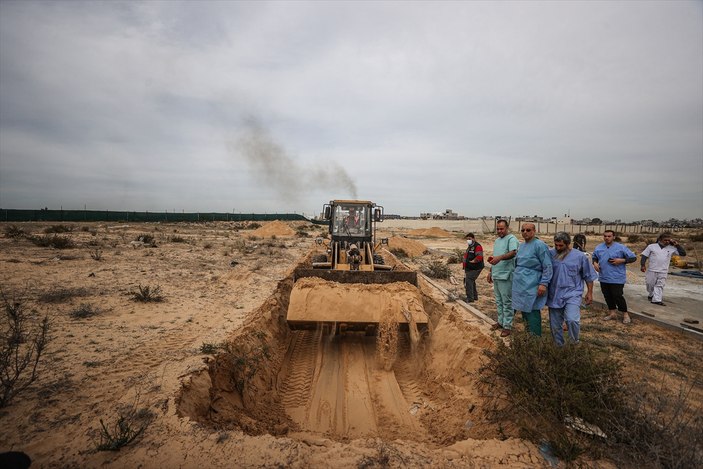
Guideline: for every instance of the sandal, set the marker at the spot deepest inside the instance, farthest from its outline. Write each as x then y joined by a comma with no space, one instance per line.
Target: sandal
626,319
610,317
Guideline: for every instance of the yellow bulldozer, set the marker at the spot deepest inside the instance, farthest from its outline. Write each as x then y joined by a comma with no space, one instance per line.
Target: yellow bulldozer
349,286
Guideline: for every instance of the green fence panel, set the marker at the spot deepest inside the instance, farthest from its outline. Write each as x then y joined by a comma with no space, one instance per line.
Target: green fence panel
20,215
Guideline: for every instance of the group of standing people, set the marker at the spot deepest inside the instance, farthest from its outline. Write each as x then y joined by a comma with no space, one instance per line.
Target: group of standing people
529,275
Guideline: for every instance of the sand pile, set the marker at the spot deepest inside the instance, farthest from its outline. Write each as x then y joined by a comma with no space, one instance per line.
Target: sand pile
274,228
411,247
434,232
315,299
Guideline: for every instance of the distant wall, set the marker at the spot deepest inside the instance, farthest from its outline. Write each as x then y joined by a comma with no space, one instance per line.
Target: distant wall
547,228
17,215
488,226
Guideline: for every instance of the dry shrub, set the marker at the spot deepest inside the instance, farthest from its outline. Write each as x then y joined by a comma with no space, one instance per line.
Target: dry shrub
696,237
456,257
59,295
239,244
13,231
209,348
246,358
129,425
58,229
302,233
96,254
437,269
547,384
55,241
545,389
22,344
634,238
85,310
400,253
146,294
658,428
147,239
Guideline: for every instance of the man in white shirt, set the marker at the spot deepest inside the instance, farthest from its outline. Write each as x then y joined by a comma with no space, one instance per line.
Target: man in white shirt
659,255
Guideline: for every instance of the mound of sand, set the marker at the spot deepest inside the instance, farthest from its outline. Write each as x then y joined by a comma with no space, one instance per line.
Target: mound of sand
411,247
434,232
274,228
314,299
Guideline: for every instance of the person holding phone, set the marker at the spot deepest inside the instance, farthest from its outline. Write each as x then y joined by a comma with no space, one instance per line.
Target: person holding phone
610,259
659,255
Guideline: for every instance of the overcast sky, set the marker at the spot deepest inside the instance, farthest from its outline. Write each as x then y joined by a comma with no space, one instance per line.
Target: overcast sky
513,108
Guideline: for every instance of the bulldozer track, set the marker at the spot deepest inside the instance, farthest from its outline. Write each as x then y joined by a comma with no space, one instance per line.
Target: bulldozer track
302,354
335,386
405,373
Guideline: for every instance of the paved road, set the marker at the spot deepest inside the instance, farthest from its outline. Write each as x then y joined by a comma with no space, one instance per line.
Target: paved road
683,298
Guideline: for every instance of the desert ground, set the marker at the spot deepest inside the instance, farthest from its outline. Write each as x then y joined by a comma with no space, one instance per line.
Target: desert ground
211,375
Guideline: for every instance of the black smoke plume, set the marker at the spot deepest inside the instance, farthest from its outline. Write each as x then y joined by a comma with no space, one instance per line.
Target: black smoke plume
273,166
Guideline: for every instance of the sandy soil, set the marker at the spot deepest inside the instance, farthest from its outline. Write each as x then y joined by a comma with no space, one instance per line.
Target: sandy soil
215,375
410,247
433,232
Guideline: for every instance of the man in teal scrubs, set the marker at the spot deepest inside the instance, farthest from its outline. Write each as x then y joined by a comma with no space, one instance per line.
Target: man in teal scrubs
501,276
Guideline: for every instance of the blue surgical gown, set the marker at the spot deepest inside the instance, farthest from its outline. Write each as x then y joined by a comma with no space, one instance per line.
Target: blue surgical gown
533,267
566,286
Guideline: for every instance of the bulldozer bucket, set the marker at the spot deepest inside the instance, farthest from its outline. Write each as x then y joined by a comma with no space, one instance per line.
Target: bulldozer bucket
355,302
358,276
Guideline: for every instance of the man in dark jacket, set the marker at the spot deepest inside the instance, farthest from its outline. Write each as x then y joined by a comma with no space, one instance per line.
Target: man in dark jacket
473,264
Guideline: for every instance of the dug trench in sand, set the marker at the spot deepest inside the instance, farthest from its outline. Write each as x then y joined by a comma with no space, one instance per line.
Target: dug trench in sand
353,390
349,394
321,383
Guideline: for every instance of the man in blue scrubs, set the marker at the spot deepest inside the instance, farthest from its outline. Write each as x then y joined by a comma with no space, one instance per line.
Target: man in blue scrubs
610,259
570,270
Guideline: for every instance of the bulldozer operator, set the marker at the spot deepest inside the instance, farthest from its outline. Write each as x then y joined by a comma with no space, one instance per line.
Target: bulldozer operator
353,222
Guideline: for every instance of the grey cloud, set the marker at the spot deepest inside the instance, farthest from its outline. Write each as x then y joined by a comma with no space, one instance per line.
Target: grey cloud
419,106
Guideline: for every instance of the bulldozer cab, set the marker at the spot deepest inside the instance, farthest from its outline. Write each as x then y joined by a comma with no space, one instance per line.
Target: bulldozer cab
352,221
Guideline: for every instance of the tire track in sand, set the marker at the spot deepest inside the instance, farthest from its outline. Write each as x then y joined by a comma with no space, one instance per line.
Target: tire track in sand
300,369
334,386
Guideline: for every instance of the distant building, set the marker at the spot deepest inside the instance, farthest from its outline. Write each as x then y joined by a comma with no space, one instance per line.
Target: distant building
535,219
448,214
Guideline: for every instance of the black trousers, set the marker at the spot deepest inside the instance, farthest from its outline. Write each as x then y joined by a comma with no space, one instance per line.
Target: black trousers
470,284
612,292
